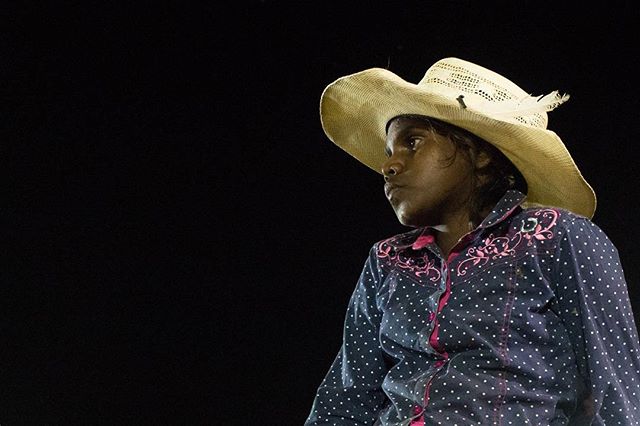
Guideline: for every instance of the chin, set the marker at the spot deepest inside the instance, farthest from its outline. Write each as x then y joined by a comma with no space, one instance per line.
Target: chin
415,220
407,220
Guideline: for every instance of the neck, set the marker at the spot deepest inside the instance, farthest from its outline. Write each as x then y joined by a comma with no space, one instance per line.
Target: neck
451,230
448,235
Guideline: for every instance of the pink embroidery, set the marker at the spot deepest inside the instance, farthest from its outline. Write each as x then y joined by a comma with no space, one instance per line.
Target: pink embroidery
421,241
498,247
420,266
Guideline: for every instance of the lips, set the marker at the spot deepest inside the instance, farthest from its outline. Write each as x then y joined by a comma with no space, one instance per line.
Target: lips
390,189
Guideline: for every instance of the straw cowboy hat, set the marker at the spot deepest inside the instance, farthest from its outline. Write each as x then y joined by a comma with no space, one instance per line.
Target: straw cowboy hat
355,110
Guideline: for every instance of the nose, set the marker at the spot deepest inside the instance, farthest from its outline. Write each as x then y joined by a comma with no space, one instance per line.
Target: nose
391,167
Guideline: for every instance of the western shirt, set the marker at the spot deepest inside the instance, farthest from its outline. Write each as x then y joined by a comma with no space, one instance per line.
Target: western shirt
526,322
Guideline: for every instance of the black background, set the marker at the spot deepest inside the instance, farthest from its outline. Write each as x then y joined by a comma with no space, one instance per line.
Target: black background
180,239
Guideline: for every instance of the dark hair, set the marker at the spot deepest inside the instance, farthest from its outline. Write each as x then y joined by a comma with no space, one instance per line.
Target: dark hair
500,174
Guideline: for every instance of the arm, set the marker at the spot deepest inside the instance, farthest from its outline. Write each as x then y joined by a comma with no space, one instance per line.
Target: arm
351,393
595,307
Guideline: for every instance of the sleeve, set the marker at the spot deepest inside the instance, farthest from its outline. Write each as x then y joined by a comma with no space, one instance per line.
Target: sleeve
596,309
351,393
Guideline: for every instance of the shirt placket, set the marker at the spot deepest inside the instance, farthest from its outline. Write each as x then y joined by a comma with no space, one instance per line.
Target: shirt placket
446,273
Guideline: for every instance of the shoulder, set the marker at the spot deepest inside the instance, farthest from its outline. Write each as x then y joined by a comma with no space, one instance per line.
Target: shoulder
568,228
561,220
386,253
552,226
396,248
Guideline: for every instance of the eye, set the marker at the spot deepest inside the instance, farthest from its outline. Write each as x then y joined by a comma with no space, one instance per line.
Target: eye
413,141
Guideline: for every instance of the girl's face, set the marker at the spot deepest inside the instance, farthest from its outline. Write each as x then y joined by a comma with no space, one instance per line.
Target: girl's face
428,181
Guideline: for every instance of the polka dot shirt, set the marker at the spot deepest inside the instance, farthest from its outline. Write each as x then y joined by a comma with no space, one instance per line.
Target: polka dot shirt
526,322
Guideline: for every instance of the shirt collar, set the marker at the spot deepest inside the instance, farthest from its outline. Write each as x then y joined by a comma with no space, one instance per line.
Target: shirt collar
511,200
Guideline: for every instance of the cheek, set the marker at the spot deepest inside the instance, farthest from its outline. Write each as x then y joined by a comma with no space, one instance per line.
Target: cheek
460,170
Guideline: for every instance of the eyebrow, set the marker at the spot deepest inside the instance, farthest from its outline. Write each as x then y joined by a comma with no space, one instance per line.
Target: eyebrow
416,127
413,129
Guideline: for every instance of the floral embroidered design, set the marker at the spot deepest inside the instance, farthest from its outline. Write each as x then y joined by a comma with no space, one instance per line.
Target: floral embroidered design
533,229
421,266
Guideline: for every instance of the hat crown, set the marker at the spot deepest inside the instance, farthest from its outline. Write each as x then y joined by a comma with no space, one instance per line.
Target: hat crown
487,92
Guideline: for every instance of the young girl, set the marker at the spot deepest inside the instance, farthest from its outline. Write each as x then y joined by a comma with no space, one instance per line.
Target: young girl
504,303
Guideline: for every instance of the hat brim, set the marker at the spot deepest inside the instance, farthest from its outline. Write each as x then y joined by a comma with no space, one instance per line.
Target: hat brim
355,109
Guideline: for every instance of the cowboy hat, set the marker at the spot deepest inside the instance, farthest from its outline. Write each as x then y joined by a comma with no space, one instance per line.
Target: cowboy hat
355,110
